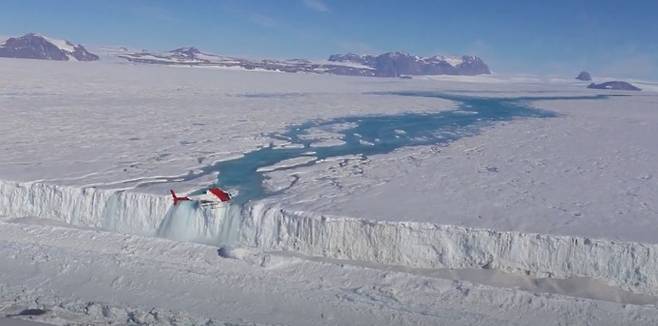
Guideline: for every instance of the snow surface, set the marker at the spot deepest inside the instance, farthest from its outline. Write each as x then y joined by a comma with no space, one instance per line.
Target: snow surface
350,64
590,172
102,277
626,265
63,45
287,164
86,165
453,61
136,126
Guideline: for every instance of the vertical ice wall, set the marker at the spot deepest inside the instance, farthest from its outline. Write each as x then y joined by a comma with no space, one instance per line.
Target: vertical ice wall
629,265
121,211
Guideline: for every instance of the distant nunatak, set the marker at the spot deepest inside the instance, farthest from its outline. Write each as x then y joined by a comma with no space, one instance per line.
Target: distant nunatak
391,64
36,46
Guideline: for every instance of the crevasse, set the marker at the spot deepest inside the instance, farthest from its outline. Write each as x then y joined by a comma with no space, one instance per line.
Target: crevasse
628,265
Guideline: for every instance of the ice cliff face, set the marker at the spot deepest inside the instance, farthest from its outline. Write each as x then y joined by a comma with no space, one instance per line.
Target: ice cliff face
631,266
128,212
628,265
120,211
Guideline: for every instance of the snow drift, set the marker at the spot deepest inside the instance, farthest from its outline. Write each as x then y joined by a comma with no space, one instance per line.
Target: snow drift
628,265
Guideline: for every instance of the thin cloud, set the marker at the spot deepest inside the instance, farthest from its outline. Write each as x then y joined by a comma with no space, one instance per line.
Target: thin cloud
640,65
153,12
357,47
629,60
262,20
316,5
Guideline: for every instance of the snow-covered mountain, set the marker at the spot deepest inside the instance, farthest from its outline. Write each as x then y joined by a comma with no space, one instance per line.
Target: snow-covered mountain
36,46
184,56
196,57
392,64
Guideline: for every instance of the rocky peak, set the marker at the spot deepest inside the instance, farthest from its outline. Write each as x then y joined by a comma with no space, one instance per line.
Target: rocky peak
398,63
186,52
584,76
37,46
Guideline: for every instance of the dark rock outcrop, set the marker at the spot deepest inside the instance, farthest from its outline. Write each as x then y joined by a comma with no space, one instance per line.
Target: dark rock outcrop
392,64
615,85
395,64
584,76
35,46
350,57
185,53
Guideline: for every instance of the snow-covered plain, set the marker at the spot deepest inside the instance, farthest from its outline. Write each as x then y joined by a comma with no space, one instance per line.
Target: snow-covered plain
89,276
89,151
126,126
590,172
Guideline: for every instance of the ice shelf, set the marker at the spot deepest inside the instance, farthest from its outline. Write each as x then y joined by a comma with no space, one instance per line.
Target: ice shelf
628,265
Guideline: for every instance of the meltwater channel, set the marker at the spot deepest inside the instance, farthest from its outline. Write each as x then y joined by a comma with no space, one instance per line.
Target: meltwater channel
364,135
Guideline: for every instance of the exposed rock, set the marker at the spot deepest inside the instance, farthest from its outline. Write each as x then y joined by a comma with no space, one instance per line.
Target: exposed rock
615,85
584,76
395,64
392,64
35,46
185,53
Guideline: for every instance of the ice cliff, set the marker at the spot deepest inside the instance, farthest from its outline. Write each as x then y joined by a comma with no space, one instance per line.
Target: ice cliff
628,265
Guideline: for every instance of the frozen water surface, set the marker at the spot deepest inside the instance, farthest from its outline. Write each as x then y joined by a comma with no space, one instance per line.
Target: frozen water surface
363,136
540,192
377,134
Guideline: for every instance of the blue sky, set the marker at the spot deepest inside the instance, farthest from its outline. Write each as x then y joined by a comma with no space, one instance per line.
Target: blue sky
611,38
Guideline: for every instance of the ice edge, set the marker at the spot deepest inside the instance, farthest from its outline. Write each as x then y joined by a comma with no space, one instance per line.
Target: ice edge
628,265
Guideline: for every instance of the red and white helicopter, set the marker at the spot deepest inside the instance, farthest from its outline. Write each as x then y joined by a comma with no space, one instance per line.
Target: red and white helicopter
213,197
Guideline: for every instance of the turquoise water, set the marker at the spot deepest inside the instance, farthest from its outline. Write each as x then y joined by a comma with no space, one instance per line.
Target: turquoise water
378,134
362,135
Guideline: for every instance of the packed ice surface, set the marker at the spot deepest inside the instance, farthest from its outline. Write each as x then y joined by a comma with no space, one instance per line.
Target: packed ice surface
96,146
91,277
268,226
125,126
589,172
289,164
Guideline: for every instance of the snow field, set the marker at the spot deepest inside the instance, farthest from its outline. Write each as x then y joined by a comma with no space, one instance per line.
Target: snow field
627,265
94,146
95,277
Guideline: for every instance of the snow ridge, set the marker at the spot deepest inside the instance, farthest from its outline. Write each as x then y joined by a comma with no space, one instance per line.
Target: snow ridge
628,265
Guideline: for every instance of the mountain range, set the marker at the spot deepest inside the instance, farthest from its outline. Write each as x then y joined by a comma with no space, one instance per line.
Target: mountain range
395,64
391,64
